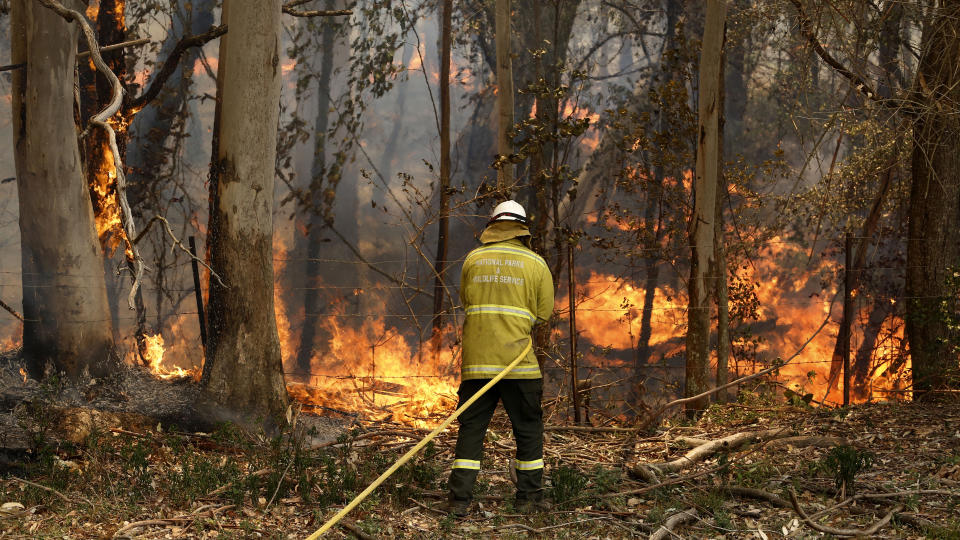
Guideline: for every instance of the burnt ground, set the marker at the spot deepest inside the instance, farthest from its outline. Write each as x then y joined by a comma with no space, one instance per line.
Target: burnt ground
139,481
67,411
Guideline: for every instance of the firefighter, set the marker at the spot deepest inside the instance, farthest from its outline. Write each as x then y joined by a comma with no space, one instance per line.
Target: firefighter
505,288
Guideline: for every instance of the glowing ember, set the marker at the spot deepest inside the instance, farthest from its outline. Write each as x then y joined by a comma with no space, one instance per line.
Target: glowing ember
23,373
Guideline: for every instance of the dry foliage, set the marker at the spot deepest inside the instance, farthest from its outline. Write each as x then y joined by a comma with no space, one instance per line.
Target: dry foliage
154,484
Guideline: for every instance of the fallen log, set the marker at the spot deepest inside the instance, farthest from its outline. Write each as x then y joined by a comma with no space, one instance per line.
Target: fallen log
709,449
673,522
869,531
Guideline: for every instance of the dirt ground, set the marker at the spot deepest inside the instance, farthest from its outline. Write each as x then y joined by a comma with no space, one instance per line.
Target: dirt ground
886,470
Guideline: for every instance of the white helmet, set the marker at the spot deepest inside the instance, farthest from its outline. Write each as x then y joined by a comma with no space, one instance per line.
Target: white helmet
509,211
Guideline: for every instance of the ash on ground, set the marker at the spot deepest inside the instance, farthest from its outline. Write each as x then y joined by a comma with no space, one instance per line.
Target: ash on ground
132,398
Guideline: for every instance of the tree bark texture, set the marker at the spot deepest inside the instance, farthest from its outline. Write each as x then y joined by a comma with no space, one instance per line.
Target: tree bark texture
244,368
444,220
709,155
67,319
934,212
504,95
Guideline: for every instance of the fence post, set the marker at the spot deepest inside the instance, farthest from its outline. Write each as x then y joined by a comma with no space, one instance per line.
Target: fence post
196,287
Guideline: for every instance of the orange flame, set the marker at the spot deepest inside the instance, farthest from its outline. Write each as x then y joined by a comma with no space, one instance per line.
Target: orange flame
368,368
153,353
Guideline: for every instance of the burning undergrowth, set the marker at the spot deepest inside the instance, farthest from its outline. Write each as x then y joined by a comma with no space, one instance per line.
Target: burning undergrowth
779,307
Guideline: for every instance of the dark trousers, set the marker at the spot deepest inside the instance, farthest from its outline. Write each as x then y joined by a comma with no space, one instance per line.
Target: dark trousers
521,398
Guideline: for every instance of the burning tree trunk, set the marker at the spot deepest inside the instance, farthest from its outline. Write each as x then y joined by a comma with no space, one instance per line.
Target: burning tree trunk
439,289
244,369
709,156
67,320
504,97
158,130
933,252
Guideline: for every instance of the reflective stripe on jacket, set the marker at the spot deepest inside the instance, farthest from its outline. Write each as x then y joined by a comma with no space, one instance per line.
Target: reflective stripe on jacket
504,288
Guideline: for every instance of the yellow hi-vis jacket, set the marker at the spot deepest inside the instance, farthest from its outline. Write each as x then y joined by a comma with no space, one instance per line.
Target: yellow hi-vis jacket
504,288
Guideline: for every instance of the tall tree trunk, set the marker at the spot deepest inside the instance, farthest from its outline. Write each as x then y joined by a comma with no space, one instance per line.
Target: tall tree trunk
244,369
68,325
313,306
443,225
709,156
504,97
720,290
932,247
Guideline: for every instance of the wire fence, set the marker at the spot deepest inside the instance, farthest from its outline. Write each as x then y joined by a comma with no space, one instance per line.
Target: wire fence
604,297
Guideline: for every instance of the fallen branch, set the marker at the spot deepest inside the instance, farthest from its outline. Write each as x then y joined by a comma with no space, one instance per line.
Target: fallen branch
691,441
590,429
758,494
368,435
426,507
170,521
704,451
357,531
535,530
225,487
673,522
869,531
51,490
11,310
101,120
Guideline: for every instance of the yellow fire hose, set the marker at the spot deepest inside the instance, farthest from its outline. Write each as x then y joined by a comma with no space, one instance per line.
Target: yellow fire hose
413,451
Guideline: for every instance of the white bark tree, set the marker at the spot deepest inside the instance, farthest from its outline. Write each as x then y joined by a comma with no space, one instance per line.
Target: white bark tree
244,368
702,225
67,319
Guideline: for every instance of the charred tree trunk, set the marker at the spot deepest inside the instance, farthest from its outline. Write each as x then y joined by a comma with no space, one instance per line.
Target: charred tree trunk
313,305
443,225
68,325
932,248
244,369
702,225
504,98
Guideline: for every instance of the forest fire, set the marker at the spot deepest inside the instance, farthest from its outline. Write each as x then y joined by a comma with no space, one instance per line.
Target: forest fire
153,354
367,368
791,310
108,220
